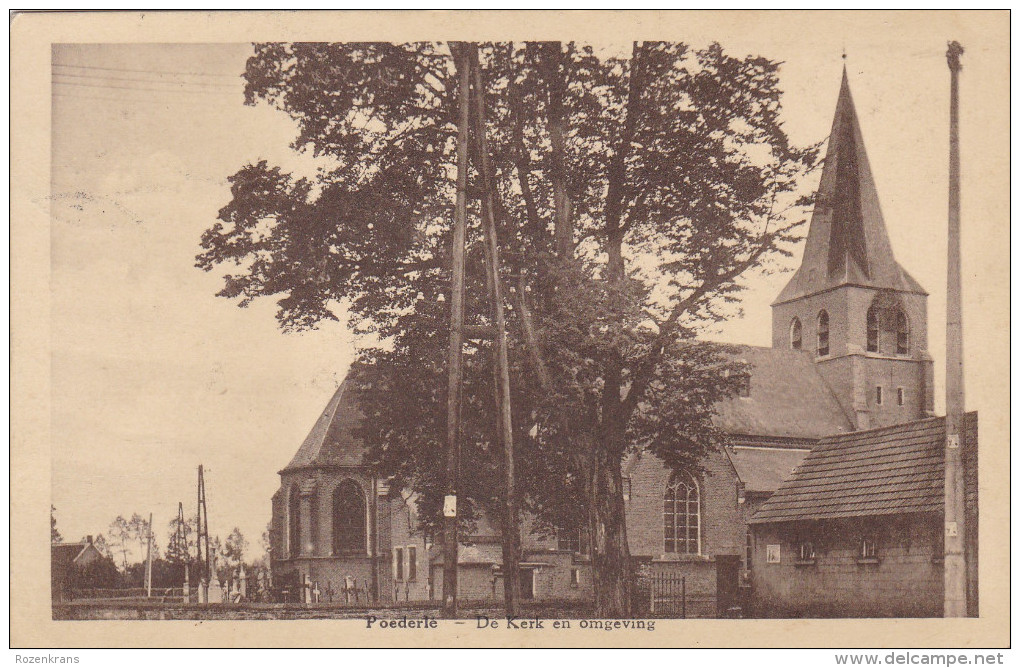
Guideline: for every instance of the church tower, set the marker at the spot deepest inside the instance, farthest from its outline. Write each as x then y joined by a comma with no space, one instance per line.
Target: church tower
850,304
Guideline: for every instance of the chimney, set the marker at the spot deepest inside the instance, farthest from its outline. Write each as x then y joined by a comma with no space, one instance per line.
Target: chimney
954,563
88,540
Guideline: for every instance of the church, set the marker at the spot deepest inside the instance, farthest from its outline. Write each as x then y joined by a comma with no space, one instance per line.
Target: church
848,357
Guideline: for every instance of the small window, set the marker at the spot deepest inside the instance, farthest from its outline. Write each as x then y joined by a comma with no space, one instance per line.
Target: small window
902,333
899,396
682,515
868,549
571,540
626,489
575,577
795,334
743,382
412,563
398,563
878,395
294,522
823,333
872,330
350,531
806,551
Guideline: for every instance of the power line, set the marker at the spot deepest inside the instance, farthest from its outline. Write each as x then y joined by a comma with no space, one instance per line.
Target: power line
104,77
140,88
162,102
126,69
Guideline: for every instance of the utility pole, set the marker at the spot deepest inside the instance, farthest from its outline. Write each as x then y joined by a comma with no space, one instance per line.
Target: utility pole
501,370
182,541
202,529
148,561
450,539
954,559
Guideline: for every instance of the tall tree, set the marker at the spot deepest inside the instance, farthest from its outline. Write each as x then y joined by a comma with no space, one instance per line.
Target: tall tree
102,546
180,548
634,190
120,539
234,548
55,536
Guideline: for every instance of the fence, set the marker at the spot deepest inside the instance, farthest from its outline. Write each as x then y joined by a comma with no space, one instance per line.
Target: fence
670,595
158,593
667,595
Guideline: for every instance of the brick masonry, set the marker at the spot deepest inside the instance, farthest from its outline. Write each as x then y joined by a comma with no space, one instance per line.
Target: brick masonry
903,580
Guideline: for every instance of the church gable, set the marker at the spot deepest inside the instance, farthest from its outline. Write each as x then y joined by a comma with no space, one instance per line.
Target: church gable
332,441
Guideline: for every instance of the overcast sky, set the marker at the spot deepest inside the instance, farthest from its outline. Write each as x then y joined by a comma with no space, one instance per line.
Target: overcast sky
153,375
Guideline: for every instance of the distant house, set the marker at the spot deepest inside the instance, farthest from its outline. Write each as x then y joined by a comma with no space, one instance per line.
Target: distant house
64,557
857,530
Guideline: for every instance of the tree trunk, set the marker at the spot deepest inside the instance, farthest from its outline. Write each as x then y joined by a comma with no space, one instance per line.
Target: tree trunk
612,570
552,64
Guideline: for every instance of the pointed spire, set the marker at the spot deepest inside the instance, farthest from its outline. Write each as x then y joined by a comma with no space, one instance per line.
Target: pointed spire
847,242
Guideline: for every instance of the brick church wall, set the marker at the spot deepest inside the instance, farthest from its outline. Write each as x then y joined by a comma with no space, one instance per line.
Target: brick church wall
722,522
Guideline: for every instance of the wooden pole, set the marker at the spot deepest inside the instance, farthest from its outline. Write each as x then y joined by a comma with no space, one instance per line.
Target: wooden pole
456,344
148,560
954,560
511,520
198,529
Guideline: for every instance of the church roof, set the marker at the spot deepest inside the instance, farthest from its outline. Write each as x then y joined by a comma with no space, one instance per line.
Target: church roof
886,471
764,469
847,242
332,442
789,399
789,404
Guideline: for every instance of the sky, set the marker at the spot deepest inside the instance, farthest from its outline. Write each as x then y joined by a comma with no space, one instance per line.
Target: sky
153,375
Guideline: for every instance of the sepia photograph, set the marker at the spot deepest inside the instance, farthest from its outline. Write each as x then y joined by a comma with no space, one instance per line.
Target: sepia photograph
432,328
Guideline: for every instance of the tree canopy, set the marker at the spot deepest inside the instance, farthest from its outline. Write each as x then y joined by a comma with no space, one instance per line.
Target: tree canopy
634,188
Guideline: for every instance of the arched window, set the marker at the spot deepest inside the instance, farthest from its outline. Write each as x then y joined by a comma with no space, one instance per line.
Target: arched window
823,333
902,333
681,515
795,334
872,330
349,523
294,522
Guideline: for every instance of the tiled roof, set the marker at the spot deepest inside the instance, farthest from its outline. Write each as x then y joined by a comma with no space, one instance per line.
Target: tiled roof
764,469
788,398
66,553
892,470
332,442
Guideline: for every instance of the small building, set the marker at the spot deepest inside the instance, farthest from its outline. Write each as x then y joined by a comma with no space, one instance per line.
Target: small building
64,559
857,530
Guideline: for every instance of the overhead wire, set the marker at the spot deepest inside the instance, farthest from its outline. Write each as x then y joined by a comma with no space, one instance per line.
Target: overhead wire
126,69
103,77
141,88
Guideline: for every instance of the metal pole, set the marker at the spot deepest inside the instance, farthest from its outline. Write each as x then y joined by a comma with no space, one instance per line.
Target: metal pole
511,520
954,560
456,345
